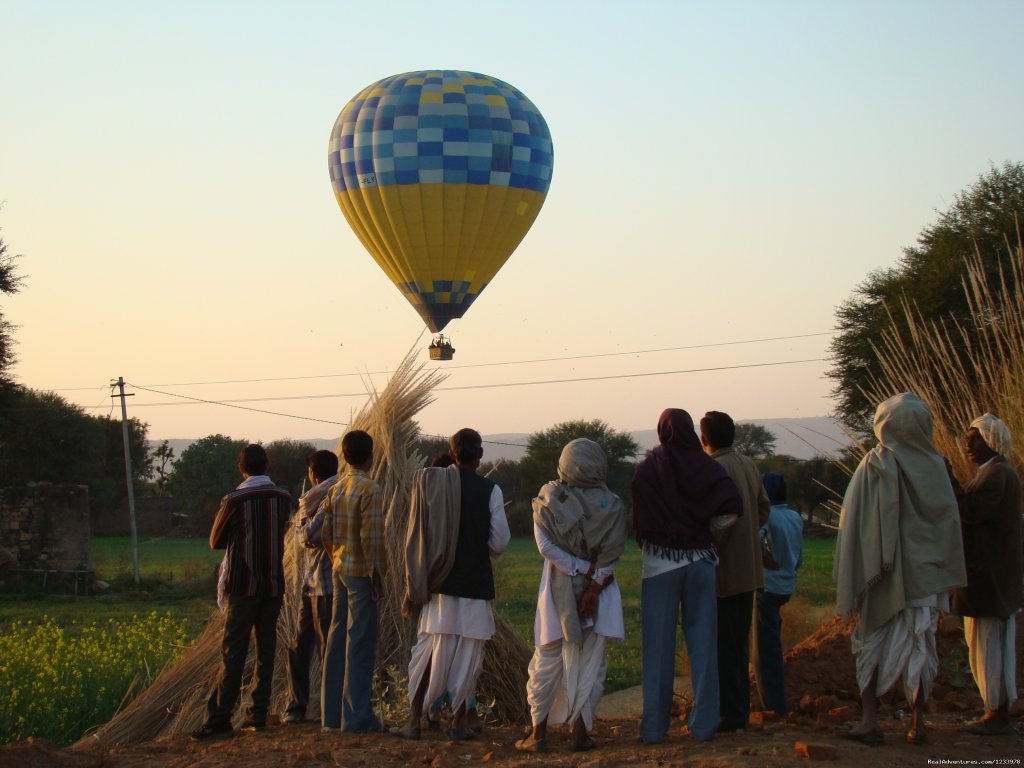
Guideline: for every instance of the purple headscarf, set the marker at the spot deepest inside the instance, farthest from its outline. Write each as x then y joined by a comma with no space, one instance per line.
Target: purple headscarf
678,488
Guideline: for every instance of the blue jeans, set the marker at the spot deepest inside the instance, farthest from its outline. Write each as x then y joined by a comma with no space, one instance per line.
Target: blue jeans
689,590
347,688
772,674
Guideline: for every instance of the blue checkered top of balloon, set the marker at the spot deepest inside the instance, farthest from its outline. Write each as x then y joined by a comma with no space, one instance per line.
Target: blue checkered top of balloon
436,127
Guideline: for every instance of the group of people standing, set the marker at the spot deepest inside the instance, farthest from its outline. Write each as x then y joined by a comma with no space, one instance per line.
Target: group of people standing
910,537
720,550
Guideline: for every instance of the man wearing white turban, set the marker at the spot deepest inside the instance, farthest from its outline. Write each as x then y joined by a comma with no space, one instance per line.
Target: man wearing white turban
898,553
990,520
580,528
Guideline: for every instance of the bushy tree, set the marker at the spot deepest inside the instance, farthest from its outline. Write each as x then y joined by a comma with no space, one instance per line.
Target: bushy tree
204,472
47,439
754,440
287,464
540,465
10,283
929,276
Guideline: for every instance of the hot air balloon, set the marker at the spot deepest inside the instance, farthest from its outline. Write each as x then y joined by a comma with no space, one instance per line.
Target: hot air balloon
440,173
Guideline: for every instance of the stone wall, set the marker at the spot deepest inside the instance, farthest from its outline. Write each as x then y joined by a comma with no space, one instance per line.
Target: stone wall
46,526
154,516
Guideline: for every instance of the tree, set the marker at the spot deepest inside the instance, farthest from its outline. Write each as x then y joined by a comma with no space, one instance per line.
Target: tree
754,440
204,472
163,458
287,460
929,277
47,439
543,448
10,283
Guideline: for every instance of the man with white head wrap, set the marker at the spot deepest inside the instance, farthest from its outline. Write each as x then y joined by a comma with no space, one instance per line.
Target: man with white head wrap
580,528
898,553
990,520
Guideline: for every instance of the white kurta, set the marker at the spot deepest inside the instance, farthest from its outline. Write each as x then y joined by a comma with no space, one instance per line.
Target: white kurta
547,627
452,630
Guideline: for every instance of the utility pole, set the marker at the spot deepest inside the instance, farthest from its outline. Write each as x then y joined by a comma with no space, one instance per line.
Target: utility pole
128,477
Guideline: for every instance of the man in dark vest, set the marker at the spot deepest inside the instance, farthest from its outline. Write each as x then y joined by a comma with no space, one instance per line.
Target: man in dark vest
990,519
456,619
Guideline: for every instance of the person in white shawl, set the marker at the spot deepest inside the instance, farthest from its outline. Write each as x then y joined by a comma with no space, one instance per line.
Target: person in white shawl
898,553
580,528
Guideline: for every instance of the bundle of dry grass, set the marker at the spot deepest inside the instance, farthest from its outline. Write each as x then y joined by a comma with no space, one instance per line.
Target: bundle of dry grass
963,370
176,701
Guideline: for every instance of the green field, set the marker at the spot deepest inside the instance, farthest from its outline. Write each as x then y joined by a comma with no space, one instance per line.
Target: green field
56,642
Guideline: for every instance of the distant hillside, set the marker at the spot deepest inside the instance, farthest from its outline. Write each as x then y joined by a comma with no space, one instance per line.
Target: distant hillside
802,438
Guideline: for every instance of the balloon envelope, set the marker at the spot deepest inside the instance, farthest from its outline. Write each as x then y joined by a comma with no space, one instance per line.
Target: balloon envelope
440,173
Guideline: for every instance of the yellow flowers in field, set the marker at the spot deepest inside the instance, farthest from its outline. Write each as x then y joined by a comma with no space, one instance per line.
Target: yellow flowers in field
58,682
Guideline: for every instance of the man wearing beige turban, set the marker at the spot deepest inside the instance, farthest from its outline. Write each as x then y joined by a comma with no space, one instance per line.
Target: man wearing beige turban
898,553
990,519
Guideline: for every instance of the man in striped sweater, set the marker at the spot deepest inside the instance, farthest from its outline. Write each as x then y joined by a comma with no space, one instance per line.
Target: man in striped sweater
250,525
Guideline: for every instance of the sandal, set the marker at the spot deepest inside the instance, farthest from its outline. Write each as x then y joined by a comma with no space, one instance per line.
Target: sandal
585,744
916,736
530,745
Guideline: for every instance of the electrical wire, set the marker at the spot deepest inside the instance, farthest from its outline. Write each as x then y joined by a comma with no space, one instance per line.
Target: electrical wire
484,365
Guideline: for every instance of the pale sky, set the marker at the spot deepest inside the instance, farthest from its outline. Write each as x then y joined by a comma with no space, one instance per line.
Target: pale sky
724,172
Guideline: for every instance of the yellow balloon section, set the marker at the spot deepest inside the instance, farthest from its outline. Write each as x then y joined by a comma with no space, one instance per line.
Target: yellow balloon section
440,174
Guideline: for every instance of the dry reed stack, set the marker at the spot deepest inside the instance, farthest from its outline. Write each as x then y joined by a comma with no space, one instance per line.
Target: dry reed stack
176,701
964,369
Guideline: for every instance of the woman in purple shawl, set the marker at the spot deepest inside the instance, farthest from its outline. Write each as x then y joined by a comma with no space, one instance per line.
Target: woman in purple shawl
678,491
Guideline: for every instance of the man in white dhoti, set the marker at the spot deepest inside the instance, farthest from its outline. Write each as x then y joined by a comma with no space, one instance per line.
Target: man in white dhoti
897,554
990,519
580,528
457,524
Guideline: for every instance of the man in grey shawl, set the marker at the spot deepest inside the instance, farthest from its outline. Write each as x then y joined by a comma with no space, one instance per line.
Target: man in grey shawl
580,528
898,554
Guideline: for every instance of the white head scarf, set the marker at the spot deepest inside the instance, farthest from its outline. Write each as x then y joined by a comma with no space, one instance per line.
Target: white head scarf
995,433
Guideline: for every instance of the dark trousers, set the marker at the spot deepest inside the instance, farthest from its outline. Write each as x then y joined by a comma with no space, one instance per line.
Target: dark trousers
734,616
246,614
314,621
772,672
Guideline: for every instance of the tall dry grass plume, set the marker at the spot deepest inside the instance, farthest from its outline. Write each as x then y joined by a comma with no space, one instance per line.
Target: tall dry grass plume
176,701
964,369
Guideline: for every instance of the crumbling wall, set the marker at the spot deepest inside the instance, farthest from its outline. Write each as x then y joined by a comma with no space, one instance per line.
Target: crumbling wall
46,526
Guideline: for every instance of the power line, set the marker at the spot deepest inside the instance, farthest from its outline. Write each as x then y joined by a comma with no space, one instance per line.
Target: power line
501,385
483,365
228,404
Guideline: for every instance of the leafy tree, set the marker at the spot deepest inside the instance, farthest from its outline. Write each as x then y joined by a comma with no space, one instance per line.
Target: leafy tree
754,441
10,283
47,439
287,460
163,458
204,472
543,448
928,275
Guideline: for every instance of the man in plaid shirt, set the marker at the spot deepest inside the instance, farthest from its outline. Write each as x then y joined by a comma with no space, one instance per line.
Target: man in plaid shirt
353,534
